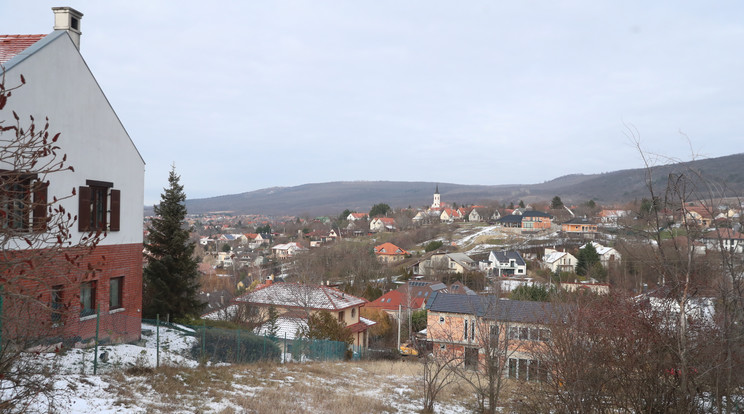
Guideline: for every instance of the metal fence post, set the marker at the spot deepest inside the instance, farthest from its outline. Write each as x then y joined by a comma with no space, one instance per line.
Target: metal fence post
237,350
157,341
1,319
284,355
95,348
204,339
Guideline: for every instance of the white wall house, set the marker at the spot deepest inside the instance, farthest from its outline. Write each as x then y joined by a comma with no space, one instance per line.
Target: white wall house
608,256
727,239
559,261
108,176
382,224
505,263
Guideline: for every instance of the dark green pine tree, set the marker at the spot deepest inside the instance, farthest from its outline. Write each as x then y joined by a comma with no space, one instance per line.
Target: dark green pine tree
586,259
171,278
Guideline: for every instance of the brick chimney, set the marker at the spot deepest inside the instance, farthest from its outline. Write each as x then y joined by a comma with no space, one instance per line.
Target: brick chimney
67,18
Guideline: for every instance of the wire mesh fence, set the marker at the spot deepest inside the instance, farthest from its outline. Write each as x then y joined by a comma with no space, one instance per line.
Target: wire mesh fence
108,342
216,345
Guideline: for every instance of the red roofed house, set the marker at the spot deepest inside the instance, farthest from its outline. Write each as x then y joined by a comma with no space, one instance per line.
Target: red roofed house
287,250
108,183
390,302
356,216
382,224
449,215
389,253
699,214
727,239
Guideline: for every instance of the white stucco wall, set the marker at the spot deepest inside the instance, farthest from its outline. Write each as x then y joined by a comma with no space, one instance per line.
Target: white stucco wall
60,86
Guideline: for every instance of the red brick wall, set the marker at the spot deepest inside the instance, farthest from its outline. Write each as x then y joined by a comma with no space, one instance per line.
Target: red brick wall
31,313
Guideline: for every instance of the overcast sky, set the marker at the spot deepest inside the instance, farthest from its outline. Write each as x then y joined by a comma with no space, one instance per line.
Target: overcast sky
244,95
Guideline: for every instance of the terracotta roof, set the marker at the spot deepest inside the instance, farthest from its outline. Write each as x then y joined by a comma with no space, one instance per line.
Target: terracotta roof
724,233
702,211
389,249
11,45
357,327
392,299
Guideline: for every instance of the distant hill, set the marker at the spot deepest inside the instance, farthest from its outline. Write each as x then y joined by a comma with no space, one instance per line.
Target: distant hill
332,198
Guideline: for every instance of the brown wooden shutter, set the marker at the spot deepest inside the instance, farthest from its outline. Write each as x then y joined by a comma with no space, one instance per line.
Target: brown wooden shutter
114,224
40,206
83,208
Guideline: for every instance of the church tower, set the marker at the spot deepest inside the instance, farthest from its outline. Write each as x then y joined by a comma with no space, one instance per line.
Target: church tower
436,203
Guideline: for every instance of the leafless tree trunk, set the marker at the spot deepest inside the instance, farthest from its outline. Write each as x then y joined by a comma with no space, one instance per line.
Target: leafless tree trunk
438,372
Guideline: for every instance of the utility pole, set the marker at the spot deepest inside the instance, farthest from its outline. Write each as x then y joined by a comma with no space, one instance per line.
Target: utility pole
398,328
408,301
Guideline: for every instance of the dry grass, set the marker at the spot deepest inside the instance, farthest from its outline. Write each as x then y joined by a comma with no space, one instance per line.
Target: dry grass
329,387
321,387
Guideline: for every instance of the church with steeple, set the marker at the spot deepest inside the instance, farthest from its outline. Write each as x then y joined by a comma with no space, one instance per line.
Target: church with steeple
437,201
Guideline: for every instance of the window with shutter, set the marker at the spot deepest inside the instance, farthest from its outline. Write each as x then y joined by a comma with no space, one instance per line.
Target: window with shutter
23,202
40,206
94,213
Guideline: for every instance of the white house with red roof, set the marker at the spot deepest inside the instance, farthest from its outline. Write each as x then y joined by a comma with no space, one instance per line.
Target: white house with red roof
108,183
356,216
728,240
287,250
379,224
449,215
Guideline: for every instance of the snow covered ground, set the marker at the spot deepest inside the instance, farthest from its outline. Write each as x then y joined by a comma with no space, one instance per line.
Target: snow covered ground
127,383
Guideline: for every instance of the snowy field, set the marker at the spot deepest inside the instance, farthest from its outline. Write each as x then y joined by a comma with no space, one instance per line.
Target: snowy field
128,383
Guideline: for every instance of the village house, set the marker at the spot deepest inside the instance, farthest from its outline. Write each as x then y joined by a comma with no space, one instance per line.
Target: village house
295,303
510,221
700,215
449,215
558,261
579,226
390,253
528,220
379,224
595,288
608,256
478,213
356,216
287,250
410,296
108,183
256,240
465,326
504,264
444,263
533,220
610,218
413,295
727,239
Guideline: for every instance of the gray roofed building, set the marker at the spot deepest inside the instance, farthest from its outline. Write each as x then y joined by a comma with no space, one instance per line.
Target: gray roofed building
295,295
492,307
505,263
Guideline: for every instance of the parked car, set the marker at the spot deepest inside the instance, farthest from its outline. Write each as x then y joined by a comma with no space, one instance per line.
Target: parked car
408,349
